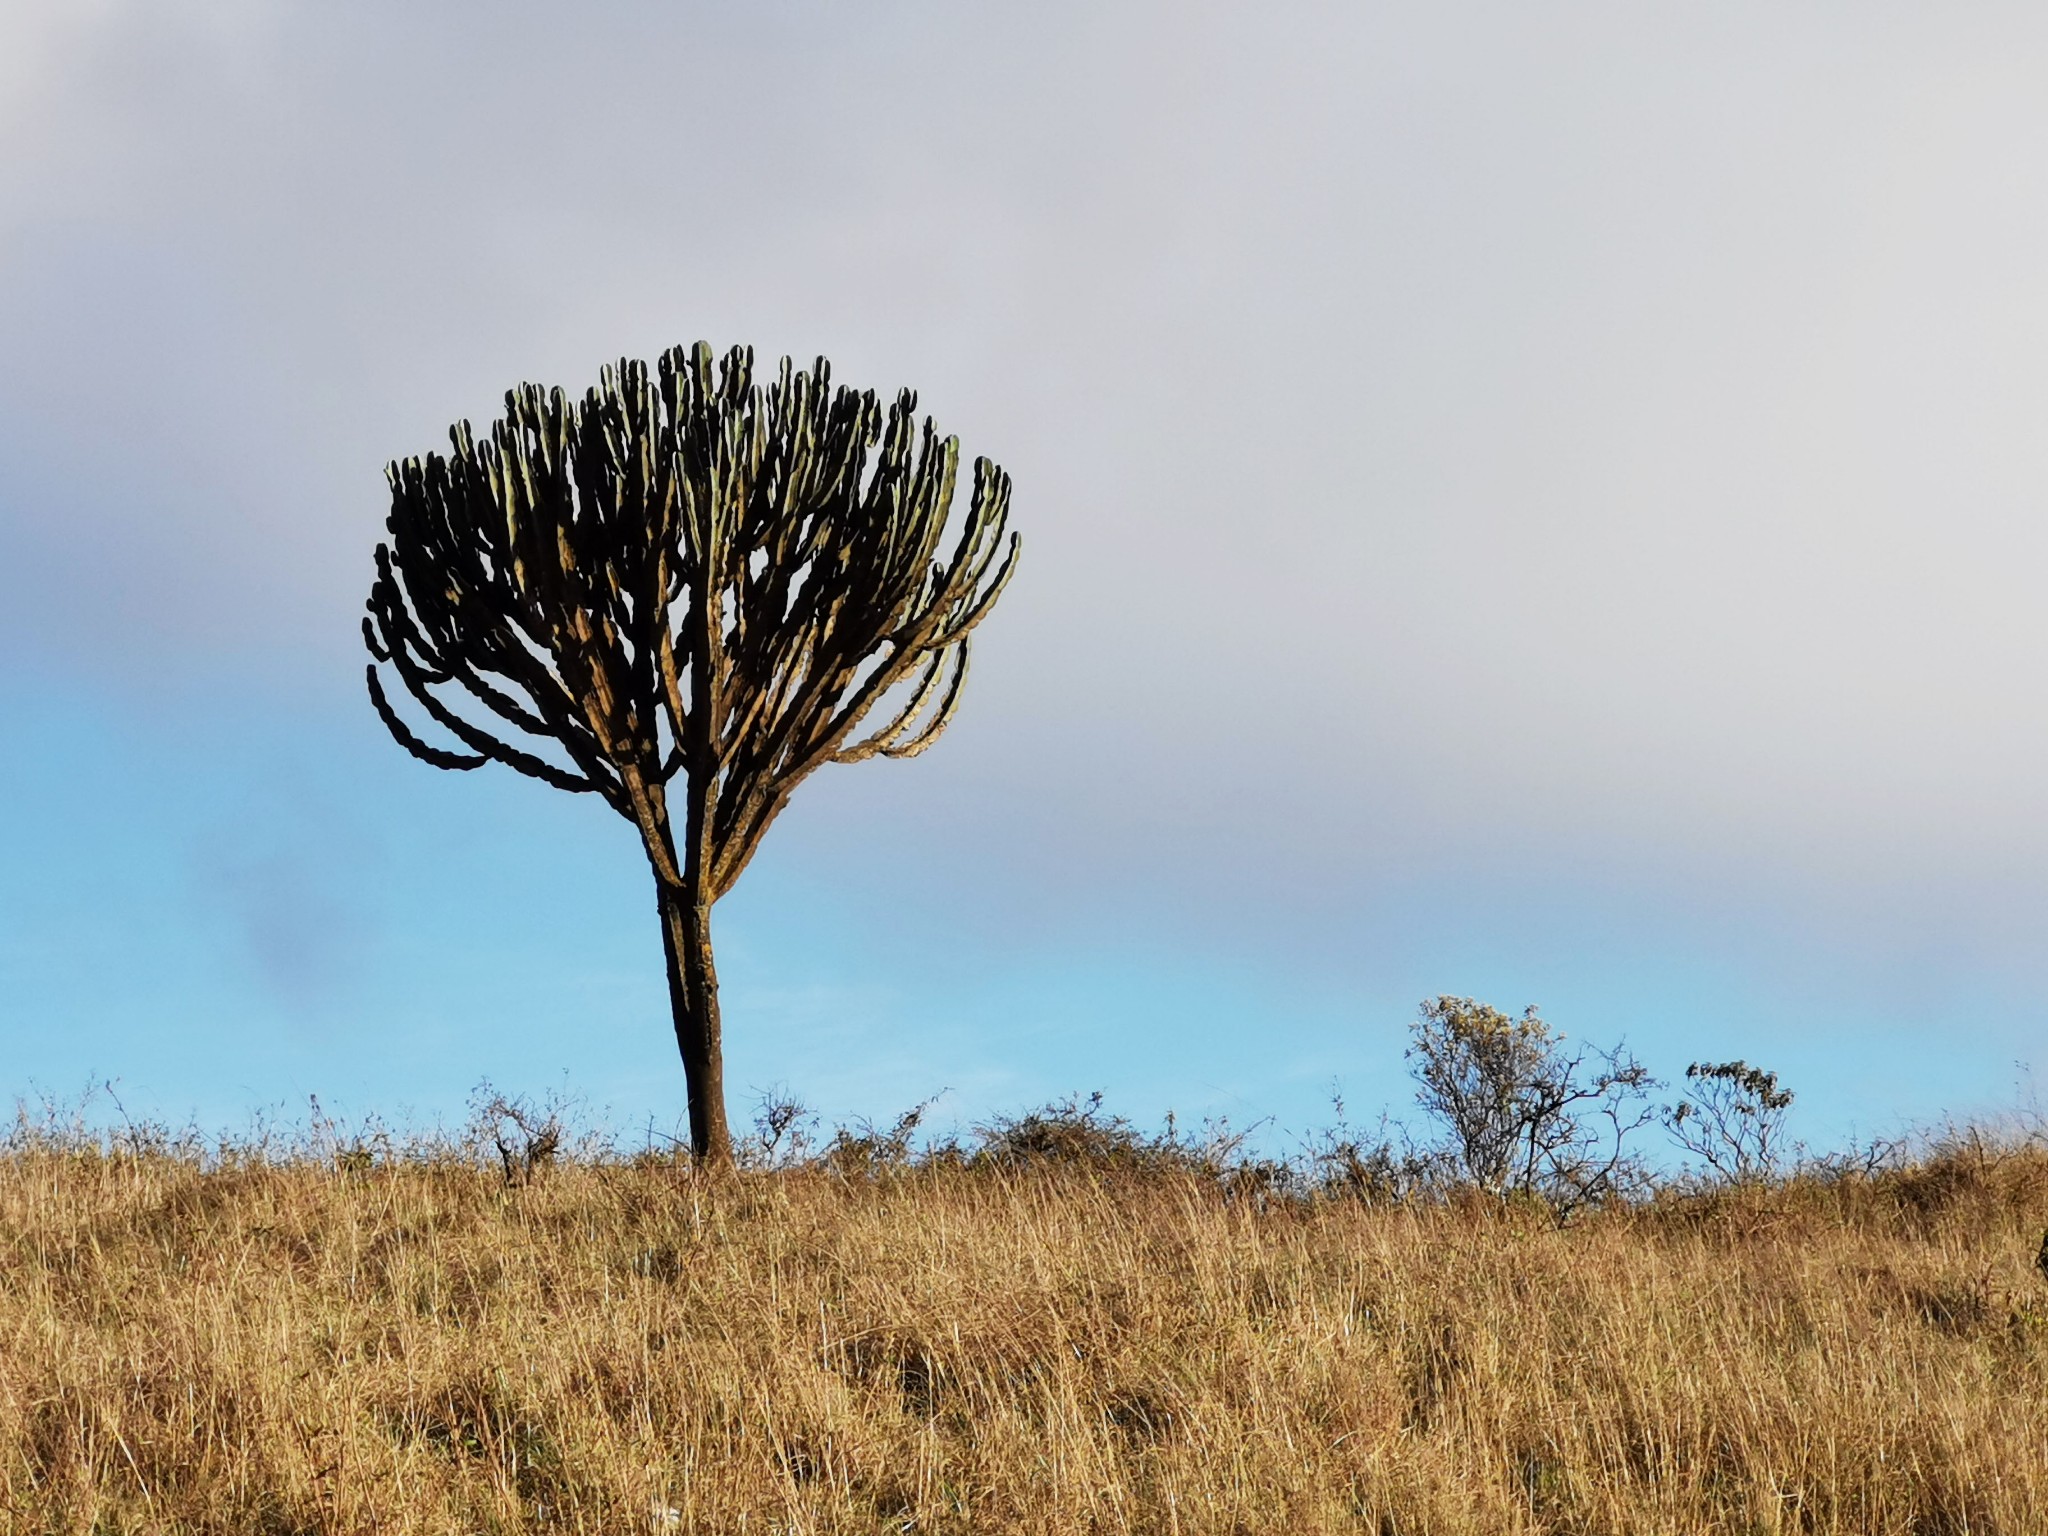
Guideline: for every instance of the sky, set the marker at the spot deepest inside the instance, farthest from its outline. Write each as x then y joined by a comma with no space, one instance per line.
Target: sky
1539,504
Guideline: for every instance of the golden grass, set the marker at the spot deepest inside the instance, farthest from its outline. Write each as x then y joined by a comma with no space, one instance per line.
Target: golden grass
626,1348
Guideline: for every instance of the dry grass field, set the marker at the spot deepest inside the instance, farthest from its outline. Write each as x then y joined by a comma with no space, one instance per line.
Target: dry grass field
272,1344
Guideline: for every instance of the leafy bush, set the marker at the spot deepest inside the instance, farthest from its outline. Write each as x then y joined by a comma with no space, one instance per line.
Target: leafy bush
864,1151
1732,1119
1070,1131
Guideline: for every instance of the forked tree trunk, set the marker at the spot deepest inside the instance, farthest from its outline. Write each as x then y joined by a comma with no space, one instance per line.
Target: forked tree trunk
693,998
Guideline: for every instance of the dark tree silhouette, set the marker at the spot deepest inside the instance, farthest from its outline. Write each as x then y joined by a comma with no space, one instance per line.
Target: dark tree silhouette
686,581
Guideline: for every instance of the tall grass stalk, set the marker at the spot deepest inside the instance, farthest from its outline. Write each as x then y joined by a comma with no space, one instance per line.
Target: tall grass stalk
334,1341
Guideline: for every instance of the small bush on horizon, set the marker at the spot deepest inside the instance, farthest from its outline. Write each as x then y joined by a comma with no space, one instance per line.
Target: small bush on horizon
528,1136
1523,1116
1074,1131
1342,1164
864,1150
1732,1119
784,1134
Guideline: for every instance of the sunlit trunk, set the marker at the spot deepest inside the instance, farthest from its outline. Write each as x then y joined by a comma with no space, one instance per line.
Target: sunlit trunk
693,998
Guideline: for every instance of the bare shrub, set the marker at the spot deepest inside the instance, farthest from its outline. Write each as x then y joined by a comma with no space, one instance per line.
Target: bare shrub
784,1134
528,1138
1523,1115
1381,1167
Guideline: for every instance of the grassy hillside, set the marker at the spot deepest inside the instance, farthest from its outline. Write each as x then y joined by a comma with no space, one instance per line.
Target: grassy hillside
282,1344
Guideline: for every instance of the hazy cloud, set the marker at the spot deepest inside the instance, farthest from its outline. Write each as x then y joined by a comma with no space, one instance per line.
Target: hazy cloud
1446,437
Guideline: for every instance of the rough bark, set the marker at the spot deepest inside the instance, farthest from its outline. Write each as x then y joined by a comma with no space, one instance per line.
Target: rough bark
693,999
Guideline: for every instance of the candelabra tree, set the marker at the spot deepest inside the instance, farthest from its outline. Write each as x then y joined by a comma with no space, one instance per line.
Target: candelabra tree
686,587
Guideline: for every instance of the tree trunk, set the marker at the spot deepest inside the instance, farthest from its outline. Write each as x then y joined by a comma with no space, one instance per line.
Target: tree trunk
693,997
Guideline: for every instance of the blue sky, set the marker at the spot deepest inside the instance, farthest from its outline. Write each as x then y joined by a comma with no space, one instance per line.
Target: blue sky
1543,507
